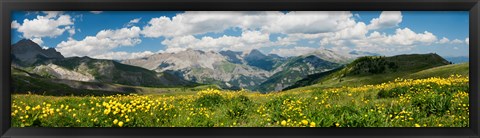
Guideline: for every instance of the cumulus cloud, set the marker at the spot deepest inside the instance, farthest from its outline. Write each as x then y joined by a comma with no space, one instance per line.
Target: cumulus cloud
457,41
247,40
120,34
443,40
467,41
201,22
341,37
103,42
402,40
310,22
124,55
15,25
316,28
190,23
387,19
51,25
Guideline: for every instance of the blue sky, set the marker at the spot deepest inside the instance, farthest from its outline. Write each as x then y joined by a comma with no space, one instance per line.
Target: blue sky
127,34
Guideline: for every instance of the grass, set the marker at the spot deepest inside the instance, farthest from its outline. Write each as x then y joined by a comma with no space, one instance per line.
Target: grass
430,102
442,71
378,69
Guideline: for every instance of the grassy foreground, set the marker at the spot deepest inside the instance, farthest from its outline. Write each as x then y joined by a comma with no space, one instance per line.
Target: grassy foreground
432,102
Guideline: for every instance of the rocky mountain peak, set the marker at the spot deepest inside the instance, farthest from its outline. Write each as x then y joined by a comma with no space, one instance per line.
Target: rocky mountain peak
330,56
254,53
25,45
28,52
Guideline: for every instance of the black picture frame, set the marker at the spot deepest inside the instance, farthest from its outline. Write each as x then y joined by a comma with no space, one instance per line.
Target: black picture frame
8,6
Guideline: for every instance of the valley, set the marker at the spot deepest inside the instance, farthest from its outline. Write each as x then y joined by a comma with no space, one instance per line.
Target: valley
238,89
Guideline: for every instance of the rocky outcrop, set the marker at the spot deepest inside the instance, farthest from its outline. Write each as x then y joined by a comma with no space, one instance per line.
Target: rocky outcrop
52,70
28,52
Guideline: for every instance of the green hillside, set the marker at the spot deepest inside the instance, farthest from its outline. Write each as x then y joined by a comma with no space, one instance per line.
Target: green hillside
294,70
24,82
442,71
393,103
373,70
113,72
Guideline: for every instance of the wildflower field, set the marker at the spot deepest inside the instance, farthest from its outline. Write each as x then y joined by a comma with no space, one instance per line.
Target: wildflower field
431,102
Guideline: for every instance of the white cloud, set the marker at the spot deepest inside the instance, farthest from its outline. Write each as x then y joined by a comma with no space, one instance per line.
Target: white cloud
51,25
124,55
123,33
457,41
467,41
340,38
201,22
52,14
337,29
103,42
387,19
133,22
327,28
408,37
15,25
190,23
71,31
96,12
295,51
39,41
136,20
402,40
443,40
309,22
357,15
248,40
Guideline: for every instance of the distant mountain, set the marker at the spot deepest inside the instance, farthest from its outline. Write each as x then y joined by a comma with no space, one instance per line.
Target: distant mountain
113,72
356,53
331,56
233,56
251,70
205,67
373,70
295,69
29,57
258,59
254,58
27,52
456,60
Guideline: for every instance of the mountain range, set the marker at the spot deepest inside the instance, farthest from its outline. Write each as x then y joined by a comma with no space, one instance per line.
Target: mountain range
49,65
234,70
251,70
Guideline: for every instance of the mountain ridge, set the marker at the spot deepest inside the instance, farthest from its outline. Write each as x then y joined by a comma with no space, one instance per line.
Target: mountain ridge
50,64
373,70
234,70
